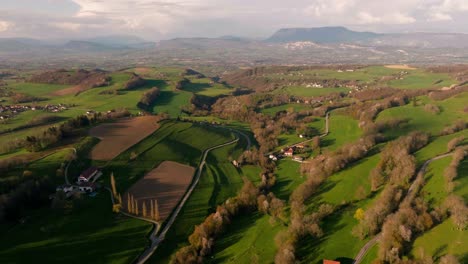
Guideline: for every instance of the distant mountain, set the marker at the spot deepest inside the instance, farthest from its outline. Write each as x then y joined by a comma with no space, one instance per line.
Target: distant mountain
85,46
320,35
19,44
420,40
117,41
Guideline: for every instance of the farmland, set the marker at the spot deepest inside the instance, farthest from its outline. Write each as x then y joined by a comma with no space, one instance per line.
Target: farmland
166,184
118,136
255,201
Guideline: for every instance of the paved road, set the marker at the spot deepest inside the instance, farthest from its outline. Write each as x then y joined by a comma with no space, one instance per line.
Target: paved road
412,191
157,239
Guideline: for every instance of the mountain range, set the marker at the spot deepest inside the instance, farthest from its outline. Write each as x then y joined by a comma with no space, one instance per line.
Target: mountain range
288,45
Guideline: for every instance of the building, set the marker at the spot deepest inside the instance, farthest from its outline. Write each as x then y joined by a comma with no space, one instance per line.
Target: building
65,188
326,261
87,187
289,152
89,174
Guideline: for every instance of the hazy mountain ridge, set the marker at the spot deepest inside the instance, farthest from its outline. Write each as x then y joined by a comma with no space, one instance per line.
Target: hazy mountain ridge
320,35
287,46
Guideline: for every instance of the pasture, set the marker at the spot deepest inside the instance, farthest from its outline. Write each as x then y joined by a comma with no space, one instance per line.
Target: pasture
75,235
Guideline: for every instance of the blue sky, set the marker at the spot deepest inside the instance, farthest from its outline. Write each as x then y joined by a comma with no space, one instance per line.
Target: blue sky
163,19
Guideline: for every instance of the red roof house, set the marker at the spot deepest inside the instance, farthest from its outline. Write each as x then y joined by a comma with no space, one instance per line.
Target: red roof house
289,152
326,261
88,174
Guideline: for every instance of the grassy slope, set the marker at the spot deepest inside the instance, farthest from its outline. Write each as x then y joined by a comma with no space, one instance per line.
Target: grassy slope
249,239
443,238
338,243
343,129
452,110
78,236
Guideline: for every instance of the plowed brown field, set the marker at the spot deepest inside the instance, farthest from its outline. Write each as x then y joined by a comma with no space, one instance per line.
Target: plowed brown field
119,136
166,184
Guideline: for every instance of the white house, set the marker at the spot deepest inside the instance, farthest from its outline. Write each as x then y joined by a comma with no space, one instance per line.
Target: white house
87,187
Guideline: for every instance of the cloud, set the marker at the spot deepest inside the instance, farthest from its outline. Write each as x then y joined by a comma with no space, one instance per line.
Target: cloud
363,12
162,19
4,25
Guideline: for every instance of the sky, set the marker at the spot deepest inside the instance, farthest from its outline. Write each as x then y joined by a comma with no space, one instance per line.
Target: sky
165,19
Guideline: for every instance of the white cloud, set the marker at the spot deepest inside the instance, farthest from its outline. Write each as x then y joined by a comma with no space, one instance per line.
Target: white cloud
4,25
363,12
160,19
438,16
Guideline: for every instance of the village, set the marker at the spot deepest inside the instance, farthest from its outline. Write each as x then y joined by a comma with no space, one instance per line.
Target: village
9,111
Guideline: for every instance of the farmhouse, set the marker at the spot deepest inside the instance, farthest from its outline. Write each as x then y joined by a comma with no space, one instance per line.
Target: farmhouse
289,152
89,174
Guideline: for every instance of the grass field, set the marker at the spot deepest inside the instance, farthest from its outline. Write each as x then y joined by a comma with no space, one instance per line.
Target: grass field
437,146
75,236
288,177
254,241
203,86
310,91
343,129
441,240
451,110
338,189
444,238
421,79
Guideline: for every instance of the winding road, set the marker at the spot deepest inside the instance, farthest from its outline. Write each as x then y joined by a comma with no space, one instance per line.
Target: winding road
412,191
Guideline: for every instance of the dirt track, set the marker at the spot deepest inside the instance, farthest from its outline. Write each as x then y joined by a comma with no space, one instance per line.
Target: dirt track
118,136
167,184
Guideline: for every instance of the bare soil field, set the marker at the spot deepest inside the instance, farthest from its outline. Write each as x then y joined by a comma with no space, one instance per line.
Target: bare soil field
400,67
119,136
166,184
70,90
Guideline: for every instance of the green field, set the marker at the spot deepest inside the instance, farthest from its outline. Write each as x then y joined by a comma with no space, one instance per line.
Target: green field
203,86
89,233
451,110
422,79
441,240
254,241
343,129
